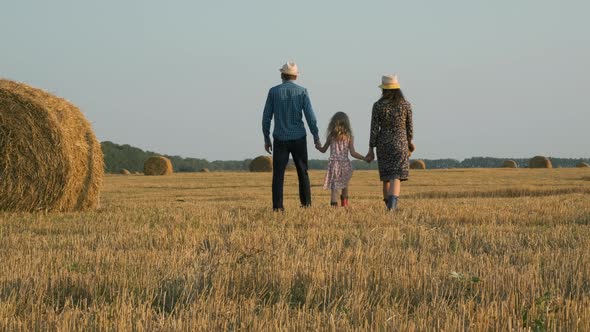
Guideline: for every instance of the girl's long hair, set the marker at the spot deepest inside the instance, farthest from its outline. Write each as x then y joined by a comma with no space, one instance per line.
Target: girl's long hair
395,96
339,127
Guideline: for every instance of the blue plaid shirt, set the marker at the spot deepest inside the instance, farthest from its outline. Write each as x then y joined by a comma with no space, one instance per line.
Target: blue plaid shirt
288,102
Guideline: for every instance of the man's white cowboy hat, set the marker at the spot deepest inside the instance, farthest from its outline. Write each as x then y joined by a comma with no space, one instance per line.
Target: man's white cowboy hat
289,68
389,82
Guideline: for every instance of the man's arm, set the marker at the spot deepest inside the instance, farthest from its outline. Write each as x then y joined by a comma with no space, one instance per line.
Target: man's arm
310,118
266,119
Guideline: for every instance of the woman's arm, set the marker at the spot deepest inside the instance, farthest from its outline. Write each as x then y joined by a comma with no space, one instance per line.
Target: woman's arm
410,129
353,151
324,148
409,124
373,138
374,128
370,155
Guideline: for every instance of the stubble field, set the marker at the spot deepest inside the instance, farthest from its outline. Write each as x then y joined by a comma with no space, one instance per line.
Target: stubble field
497,249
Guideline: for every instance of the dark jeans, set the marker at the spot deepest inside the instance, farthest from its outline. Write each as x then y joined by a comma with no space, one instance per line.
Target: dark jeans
280,158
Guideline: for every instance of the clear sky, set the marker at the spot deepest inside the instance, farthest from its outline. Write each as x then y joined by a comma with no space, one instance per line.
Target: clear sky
486,78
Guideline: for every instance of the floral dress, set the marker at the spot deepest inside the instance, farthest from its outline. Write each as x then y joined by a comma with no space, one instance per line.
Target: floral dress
391,131
339,166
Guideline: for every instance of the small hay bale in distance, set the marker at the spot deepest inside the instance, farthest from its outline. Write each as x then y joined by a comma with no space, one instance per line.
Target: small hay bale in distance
49,156
418,164
204,170
157,165
540,162
509,164
291,166
261,164
124,171
583,165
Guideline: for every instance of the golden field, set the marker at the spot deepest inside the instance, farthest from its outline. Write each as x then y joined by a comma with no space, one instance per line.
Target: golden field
503,249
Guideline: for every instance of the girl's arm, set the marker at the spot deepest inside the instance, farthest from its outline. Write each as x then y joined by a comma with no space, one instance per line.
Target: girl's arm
324,148
353,151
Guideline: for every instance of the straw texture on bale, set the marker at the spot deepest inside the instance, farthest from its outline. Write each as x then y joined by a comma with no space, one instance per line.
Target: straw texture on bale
540,162
157,165
204,170
418,164
509,164
261,164
50,159
583,165
124,171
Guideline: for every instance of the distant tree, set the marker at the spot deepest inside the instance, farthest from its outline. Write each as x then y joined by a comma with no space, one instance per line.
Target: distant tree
125,156
441,163
118,156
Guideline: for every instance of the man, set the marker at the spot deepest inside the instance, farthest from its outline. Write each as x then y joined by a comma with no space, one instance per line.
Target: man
288,103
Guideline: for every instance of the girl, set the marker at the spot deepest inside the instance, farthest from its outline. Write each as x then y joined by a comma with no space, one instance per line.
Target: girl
341,143
391,133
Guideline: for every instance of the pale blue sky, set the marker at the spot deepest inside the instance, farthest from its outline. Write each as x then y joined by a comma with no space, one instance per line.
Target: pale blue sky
486,78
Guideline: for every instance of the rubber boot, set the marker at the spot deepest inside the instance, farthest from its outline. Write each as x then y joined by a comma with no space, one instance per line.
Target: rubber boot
343,201
392,202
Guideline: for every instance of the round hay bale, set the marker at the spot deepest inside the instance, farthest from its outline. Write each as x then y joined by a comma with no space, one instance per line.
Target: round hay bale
204,170
417,164
124,171
261,164
582,165
157,165
540,162
50,159
137,173
509,164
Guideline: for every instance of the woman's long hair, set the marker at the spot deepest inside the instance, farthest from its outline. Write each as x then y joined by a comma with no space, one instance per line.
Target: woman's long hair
339,127
395,96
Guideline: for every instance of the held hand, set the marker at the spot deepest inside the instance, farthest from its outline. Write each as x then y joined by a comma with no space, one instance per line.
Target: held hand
411,148
318,145
370,156
268,148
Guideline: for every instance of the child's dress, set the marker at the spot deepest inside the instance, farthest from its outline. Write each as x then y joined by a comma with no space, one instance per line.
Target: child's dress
339,166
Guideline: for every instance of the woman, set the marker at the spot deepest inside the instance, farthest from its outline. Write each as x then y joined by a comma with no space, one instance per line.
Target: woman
391,134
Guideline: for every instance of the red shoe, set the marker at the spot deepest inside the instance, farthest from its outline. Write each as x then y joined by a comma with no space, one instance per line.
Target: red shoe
344,201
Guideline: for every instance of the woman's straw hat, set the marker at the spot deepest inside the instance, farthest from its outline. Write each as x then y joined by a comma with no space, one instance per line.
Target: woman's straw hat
389,82
289,68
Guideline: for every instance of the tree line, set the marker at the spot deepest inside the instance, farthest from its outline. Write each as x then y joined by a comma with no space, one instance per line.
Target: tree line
125,156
